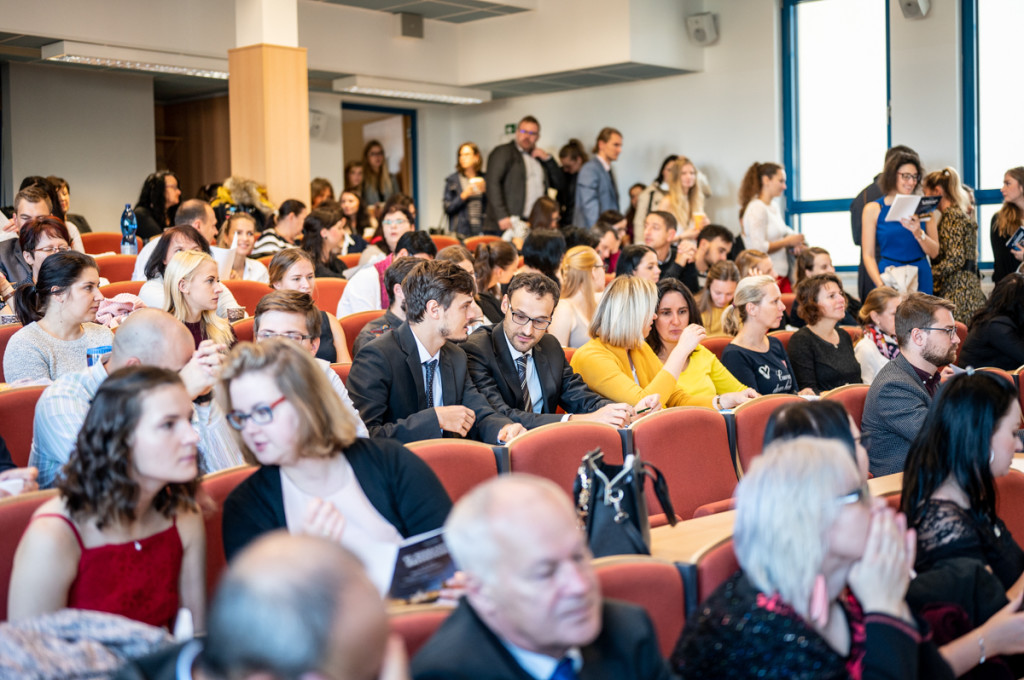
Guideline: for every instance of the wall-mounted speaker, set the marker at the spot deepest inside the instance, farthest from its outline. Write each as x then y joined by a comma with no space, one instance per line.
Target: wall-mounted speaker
702,28
915,9
317,123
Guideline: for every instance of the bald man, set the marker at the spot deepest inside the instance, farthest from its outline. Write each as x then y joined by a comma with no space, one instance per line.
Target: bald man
148,337
288,607
533,607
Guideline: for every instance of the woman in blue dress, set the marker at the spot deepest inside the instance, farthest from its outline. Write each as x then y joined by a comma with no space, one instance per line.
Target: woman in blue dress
898,243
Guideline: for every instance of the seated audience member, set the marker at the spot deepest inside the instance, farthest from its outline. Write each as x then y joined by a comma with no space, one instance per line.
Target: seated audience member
609,232
522,370
285,229
877,345
315,475
903,389
582,284
494,264
458,255
996,335
64,198
717,294
158,201
703,375
821,352
814,261
125,535
754,263
638,260
395,313
659,235
465,198
58,312
714,243
320,190
618,364
292,315
543,251
148,337
323,232
191,292
824,569
365,289
29,203
754,357
292,607
192,213
820,418
240,230
41,237
173,241
401,402
399,217
9,472
533,605
358,223
293,269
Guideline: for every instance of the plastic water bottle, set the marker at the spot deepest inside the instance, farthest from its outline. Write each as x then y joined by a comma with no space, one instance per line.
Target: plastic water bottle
129,225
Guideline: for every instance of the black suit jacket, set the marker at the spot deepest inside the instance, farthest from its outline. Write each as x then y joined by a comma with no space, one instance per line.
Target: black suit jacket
496,377
506,184
386,385
464,648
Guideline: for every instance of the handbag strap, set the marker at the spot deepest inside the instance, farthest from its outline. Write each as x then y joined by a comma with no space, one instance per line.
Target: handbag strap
660,486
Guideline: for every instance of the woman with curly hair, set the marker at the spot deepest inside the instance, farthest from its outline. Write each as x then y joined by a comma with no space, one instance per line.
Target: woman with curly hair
125,534
158,201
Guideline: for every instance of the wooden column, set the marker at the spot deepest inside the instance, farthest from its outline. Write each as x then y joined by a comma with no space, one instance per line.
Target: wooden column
268,93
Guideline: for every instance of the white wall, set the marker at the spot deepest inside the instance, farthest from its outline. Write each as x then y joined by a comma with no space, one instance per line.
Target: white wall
93,128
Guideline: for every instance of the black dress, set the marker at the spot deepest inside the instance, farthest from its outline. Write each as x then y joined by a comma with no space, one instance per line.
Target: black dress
1003,261
491,307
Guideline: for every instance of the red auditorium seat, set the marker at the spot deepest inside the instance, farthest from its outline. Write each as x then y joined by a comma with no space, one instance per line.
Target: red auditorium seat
852,398
5,336
554,451
15,513
244,329
1010,502
353,323
473,242
247,293
416,623
717,344
655,585
327,292
17,411
116,267
215,488
342,371
118,287
751,418
714,567
104,242
460,464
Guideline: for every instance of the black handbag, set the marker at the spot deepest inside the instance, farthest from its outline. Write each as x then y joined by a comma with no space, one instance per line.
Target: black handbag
611,505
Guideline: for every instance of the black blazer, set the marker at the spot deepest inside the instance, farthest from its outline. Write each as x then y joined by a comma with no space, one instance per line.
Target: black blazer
456,208
464,648
495,374
386,385
506,184
395,480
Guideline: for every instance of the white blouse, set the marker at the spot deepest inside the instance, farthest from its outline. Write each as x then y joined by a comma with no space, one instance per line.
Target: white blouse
762,224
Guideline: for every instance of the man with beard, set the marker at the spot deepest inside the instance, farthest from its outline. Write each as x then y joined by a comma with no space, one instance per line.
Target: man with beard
903,390
411,383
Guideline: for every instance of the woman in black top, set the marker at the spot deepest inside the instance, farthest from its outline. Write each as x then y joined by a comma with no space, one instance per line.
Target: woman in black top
821,353
494,265
158,201
996,336
322,234
1006,222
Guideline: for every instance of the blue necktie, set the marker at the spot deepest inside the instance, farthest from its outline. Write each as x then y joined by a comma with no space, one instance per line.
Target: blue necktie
431,367
564,670
521,368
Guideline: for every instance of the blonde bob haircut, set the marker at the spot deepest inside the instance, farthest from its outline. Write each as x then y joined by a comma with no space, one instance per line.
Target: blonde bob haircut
183,267
325,428
785,506
751,289
577,275
626,309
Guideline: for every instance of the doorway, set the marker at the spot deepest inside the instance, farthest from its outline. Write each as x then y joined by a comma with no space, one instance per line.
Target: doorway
394,128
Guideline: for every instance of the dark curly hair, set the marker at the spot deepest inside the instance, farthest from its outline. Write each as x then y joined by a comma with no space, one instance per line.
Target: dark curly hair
97,483
152,198
807,296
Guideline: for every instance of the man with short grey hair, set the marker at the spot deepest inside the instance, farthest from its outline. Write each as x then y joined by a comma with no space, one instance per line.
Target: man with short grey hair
533,606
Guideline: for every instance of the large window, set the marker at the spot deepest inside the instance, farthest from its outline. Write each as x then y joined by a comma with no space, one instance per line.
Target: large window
836,96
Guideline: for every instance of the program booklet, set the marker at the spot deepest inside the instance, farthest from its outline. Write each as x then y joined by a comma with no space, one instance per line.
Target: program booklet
905,206
421,568
1017,239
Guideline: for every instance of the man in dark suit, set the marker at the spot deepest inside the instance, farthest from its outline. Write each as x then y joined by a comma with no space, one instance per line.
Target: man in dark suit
901,393
289,606
533,606
596,190
518,173
411,383
504,356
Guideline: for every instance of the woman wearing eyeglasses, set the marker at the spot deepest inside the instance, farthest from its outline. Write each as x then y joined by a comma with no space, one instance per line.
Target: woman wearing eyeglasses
315,476
582,284
887,243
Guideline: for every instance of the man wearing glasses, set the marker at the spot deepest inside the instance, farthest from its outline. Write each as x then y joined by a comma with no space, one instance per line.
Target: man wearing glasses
901,393
293,315
518,173
522,371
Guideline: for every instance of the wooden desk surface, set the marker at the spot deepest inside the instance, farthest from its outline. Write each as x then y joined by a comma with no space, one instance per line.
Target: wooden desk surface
687,541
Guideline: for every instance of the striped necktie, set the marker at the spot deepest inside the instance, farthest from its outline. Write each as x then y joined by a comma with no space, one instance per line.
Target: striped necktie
521,367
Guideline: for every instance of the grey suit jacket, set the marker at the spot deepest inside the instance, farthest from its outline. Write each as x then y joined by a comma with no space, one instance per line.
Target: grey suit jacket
894,412
595,193
506,185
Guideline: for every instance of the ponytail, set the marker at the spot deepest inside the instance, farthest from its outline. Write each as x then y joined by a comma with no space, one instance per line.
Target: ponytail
26,303
732,321
57,273
750,187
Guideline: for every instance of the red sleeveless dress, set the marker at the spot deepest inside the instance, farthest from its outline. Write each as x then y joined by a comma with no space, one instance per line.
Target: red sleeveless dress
137,579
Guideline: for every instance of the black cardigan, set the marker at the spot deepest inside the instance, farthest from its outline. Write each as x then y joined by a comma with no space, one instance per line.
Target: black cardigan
396,481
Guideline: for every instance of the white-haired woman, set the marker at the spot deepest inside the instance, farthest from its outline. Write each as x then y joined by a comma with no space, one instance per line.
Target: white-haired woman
824,570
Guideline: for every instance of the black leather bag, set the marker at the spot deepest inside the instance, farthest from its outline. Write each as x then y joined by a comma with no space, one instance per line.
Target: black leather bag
611,505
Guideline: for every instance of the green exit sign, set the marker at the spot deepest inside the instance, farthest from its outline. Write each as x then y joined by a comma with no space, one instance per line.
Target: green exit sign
510,128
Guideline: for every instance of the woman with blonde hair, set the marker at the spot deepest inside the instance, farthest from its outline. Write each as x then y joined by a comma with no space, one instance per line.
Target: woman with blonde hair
763,226
877,346
315,476
618,363
752,262
1005,224
955,270
191,292
754,357
717,294
378,182
582,282
684,200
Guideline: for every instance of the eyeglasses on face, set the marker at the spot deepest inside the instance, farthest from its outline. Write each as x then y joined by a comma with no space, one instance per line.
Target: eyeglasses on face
949,331
910,177
529,133
50,250
291,335
859,495
396,223
261,415
521,319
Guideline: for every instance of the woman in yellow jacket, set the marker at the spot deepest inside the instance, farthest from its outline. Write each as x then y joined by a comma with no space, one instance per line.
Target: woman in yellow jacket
617,363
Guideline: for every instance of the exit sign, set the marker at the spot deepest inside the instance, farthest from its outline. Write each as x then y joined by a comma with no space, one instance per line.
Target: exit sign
510,128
